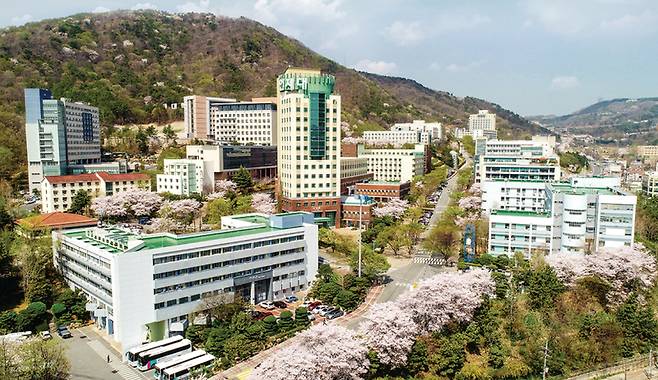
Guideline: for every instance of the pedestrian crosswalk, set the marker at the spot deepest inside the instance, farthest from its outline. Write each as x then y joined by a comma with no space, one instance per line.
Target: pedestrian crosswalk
428,260
116,364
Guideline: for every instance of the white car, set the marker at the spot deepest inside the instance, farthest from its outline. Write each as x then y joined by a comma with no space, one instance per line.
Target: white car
306,304
327,310
45,335
319,308
269,305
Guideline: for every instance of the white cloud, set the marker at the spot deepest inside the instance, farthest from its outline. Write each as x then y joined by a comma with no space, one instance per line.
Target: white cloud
270,11
377,67
100,9
405,33
460,68
564,82
144,6
203,6
641,22
20,20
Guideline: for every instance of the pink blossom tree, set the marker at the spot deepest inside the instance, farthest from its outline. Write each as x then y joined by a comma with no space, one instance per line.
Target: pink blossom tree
394,208
225,186
389,331
108,207
263,203
624,268
183,211
328,352
476,189
471,203
163,225
141,202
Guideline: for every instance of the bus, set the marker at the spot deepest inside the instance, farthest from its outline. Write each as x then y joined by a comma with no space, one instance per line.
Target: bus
182,371
147,359
162,365
131,355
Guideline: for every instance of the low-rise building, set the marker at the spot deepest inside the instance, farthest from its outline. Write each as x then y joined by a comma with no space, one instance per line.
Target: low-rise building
352,171
382,191
57,192
356,209
429,132
38,224
513,195
523,160
650,184
183,177
138,285
397,138
648,151
394,165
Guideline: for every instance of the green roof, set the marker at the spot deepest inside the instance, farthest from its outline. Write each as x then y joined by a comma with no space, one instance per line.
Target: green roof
566,188
521,213
163,241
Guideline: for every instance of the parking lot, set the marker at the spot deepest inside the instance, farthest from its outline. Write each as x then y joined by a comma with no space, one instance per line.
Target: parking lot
88,351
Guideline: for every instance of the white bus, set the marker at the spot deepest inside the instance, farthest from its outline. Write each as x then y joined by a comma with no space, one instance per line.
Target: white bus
162,365
131,355
148,359
182,371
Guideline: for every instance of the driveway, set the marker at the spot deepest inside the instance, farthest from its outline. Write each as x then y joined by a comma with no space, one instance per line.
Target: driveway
87,352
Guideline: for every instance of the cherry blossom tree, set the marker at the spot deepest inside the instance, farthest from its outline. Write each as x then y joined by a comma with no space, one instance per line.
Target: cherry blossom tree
163,225
324,352
471,203
263,203
476,189
225,186
394,208
216,195
141,202
183,211
624,268
389,331
108,207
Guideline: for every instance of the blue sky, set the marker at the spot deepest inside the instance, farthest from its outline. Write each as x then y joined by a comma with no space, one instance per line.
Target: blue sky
533,57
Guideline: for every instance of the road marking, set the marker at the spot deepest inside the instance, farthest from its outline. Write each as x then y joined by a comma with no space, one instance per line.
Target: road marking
117,366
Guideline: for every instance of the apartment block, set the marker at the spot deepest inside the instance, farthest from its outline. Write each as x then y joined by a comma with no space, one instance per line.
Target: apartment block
650,184
396,138
183,177
59,133
309,117
429,132
394,165
229,121
138,285
352,171
57,192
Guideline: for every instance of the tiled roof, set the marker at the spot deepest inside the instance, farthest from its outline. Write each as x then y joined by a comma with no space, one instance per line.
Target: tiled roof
123,177
72,178
57,220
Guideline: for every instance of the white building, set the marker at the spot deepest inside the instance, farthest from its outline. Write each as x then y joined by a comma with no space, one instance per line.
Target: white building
228,121
513,195
582,215
308,150
397,138
650,184
482,121
394,165
57,192
139,285
183,177
429,132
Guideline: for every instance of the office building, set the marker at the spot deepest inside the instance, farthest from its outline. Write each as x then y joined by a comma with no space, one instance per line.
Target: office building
394,138
183,177
382,191
580,216
514,195
481,124
356,209
309,117
524,160
352,171
228,121
394,165
59,134
429,132
57,192
139,285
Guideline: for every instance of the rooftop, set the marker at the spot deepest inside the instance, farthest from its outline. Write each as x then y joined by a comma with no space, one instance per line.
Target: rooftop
567,188
96,177
56,220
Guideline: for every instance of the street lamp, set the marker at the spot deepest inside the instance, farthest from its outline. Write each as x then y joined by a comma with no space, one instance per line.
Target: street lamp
360,222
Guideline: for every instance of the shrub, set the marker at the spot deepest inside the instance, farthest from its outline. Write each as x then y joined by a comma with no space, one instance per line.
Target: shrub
285,321
301,317
58,309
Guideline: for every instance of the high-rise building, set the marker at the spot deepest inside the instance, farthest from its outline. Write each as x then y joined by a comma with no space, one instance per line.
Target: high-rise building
309,143
429,132
228,121
59,134
481,124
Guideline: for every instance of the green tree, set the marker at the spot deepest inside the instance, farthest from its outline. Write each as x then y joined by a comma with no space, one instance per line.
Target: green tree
32,316
271,327
373,264
58,309
417,360
450,357
197,334
218,208
169,133
346,299
469,145
9,361
142,141
8,322
286,323
327,292
243,180
638,325
301,317
393,238
37,270
216,338
543,288
80,202
43,360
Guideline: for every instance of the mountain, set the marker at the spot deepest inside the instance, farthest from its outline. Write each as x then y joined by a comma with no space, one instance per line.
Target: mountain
632,119
128,63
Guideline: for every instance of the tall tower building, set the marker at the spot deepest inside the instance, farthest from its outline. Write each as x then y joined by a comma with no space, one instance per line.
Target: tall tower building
59,134
309,143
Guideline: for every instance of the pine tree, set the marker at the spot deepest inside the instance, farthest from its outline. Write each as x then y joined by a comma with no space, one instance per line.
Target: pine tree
243,180
80,203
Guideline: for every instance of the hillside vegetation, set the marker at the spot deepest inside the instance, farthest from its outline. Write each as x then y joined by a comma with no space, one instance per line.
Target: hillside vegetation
129,63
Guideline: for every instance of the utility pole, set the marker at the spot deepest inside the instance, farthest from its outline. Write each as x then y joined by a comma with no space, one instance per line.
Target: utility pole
360,231
545,357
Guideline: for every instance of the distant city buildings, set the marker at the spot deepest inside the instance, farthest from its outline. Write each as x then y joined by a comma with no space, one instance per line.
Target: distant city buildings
229,121
481,124
579,216
392,137
59,134
650,184
429,132
309,118
648,151
57,192
139,285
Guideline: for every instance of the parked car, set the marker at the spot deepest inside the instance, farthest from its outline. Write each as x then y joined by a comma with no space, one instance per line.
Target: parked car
306,304
313,305
269,305
64,332
260,315
45,335
291,299
280,304
326,311
311,317
318,308
337,313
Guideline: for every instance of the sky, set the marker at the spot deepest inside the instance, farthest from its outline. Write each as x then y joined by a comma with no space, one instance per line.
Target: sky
532,57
